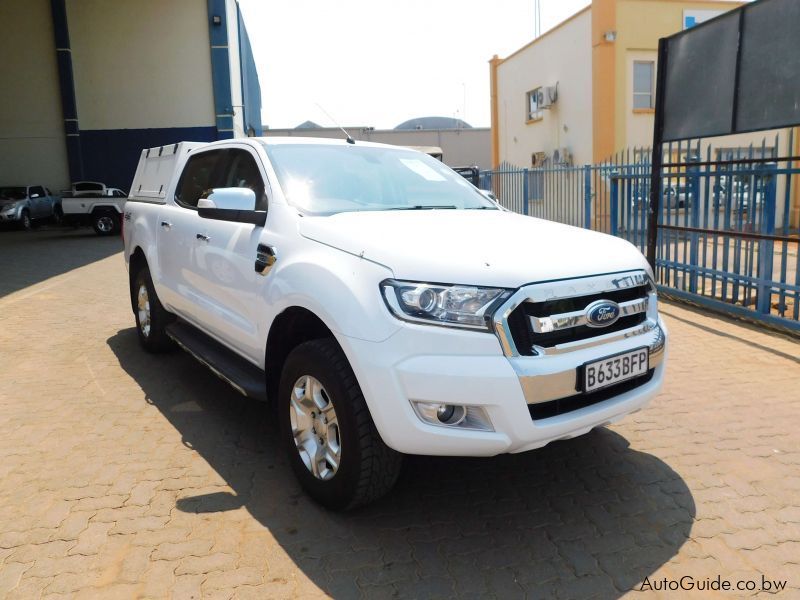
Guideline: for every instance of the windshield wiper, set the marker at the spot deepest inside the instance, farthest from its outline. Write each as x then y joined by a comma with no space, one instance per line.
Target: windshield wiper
482,208
422,207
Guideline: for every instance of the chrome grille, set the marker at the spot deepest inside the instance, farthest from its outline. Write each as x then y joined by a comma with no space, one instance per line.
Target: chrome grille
542,317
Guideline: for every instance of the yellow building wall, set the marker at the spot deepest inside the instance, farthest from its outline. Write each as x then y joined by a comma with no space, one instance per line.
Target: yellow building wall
159,54
32,146
604,19
639,25
561,56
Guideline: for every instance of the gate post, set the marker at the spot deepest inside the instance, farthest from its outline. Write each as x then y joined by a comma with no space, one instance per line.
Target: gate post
614,208
525,191
693,195
766,248
587,197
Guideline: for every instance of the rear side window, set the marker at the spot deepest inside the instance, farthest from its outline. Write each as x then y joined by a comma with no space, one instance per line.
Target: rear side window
242,171
199,177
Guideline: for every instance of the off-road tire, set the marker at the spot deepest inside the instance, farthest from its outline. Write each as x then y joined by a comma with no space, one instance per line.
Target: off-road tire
368,468
155,339
105,222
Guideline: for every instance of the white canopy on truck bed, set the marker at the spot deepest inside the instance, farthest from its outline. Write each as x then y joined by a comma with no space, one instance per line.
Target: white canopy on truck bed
156,168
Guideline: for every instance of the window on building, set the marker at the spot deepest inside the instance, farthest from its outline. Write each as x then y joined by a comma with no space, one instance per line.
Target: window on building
643,80
534,110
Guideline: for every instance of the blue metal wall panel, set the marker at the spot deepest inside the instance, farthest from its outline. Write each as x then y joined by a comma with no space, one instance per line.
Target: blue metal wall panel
251,88
67,88
220,68
111,155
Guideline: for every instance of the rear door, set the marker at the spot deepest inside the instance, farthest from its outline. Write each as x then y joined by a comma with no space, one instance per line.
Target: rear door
179,231
224,267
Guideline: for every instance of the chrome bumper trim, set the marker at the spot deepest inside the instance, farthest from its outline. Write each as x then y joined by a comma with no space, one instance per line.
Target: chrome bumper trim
544,387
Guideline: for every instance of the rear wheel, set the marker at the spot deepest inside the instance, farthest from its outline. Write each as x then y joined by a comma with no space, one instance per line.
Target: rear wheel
334,448
105,222
151,317
58,215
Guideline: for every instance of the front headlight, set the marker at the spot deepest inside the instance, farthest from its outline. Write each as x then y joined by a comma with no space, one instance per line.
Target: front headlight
464,306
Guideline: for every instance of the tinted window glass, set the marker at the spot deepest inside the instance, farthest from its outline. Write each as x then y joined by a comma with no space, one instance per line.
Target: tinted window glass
243,172
198,177
37,191
88,186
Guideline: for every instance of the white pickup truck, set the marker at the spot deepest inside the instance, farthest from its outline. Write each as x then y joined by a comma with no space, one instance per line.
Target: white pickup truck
384,305
91,203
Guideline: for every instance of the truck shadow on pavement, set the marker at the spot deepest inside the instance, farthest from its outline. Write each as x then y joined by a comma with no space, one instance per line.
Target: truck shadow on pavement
30,257
578,518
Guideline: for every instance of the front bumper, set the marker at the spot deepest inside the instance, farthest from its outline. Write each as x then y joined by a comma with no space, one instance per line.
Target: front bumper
431,364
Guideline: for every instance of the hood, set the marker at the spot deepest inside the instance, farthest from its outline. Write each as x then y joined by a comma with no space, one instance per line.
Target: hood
473,247
7,201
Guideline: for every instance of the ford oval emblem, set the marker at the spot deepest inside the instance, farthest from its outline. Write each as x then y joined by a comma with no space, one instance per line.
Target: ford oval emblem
602,313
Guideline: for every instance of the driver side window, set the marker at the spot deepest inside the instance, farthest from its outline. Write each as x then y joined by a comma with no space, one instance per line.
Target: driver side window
242,172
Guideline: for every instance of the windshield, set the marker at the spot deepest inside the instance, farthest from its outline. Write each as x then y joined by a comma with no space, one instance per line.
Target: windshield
324,179
13,193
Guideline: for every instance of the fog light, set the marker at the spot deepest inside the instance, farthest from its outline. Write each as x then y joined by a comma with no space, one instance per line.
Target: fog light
453,415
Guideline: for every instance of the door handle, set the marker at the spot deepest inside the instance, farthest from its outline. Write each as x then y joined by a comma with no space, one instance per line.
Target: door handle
166,224
203,238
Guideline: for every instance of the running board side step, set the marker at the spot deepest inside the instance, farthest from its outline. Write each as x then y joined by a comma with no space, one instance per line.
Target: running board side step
243,376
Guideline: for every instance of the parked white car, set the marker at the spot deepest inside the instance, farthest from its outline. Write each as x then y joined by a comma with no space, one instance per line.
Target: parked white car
103,212
25,206
384,305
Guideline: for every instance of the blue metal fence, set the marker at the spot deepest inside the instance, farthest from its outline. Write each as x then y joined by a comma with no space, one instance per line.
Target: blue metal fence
725,236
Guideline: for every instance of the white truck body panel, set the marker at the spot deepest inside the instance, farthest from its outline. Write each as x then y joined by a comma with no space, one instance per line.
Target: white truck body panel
84,205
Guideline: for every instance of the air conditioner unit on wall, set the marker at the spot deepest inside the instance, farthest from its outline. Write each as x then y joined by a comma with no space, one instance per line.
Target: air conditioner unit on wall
548,96
562,156
538,159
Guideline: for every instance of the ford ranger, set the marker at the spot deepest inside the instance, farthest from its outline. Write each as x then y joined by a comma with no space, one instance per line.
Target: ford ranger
384,305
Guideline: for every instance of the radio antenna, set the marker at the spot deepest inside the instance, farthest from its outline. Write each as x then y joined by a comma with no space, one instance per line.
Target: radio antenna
349,138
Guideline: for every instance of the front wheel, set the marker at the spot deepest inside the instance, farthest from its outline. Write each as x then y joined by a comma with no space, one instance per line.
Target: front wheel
25,222
334,448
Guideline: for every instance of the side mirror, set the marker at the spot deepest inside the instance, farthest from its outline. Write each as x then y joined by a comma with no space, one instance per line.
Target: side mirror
231,204
34,196
488,194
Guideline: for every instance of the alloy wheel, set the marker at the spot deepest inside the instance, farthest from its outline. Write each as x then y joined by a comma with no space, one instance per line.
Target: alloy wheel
143,307
315,427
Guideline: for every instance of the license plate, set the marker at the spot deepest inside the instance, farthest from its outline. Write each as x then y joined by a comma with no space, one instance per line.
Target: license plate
615,369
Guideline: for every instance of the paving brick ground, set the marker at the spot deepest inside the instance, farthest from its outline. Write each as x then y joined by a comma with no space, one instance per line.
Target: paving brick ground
124,475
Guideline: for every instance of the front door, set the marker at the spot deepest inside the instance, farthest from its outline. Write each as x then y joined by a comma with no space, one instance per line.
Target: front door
39,202
224,264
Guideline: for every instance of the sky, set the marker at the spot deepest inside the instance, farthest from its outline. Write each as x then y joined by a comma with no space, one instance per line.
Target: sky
378,63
